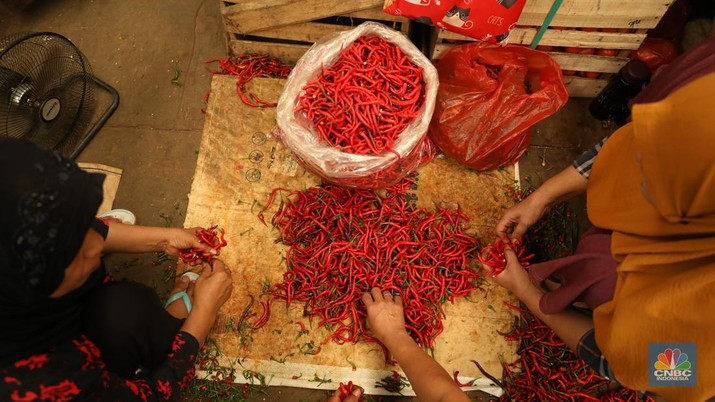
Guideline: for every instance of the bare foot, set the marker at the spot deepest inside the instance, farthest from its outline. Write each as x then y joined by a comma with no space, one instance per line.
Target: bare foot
178,307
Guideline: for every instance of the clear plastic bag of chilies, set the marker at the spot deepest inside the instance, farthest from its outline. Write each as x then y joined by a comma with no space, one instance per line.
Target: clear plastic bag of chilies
331,163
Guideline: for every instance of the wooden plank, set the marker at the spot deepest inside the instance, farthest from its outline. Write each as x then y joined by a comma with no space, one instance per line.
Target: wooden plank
567,61
377,14
597,14
567,37
626,53
440,48
573,13
304,32
288,53
580,62
246,21
369,14
580,87
247,5
227,37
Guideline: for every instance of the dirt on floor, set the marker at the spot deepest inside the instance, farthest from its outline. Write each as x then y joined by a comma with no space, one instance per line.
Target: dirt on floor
153,53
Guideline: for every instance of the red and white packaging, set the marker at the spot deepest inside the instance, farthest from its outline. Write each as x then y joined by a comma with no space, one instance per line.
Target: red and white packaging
486,20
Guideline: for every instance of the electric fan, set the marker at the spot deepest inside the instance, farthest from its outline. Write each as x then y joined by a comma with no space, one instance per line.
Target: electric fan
47,93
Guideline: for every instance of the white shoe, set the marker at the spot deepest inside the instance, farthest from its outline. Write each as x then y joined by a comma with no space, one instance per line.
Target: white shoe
193,276
125,216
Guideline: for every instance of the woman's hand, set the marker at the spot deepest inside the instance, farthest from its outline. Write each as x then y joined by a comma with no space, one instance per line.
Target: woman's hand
386,320
211,291
178,239
385,315
566,184
353,397
514,277
520,217
213,288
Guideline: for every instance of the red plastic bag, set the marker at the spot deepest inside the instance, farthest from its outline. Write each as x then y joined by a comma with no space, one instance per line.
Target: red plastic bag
487,20
656,52
489,96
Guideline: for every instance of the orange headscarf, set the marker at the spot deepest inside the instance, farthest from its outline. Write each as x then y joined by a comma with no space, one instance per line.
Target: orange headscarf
666,242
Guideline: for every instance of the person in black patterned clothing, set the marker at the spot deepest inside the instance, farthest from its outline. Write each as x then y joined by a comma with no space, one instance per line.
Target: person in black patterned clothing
66,331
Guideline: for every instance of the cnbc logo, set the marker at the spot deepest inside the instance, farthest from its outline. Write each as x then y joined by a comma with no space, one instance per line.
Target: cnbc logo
672,364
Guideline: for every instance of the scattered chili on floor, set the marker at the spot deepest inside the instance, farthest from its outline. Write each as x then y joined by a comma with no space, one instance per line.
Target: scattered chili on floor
247,67
547,370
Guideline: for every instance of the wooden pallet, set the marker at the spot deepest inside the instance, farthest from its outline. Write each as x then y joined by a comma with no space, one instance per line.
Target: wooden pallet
631,19
286,29
234,131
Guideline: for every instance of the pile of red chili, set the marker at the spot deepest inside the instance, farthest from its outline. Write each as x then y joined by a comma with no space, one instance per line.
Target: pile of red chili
210,237
366,98
247,67
343,242
493,255
547,370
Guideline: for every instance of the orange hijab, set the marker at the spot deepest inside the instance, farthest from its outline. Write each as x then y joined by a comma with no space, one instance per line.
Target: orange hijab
665,244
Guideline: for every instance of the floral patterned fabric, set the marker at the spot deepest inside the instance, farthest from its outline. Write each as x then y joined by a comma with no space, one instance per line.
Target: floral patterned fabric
47,208
75,371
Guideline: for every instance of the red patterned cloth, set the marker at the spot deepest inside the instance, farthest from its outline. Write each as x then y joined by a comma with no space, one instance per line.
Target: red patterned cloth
75,370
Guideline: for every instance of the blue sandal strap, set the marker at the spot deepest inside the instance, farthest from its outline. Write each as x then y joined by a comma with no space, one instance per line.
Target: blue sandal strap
177,296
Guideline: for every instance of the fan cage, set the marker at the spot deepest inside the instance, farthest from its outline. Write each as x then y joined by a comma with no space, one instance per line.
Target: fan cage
47,92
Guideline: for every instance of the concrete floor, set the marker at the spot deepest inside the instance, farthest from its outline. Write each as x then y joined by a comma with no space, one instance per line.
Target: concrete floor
154,136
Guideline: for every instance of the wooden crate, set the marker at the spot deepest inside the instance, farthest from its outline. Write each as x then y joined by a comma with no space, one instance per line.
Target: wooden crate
286,29
610,24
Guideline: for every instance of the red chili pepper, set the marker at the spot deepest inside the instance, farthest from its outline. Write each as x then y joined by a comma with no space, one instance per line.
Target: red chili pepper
494,257
248,66
213,242
347,101
461,384
346,389
263,319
